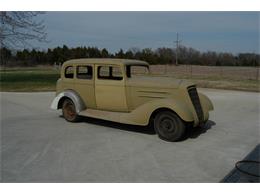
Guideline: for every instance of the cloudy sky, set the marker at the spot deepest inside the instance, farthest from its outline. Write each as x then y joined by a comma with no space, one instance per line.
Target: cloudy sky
216,31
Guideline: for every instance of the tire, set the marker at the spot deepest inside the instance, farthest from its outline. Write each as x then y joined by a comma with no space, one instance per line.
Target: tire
169,126
69,111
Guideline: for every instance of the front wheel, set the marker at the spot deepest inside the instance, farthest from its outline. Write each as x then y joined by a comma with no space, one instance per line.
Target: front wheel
169,126
69,111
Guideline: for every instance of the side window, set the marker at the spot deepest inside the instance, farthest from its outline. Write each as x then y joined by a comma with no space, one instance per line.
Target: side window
103,72
110,72
116,72
84,72
69,72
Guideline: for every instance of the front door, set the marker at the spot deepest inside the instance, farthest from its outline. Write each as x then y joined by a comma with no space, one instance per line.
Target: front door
110,88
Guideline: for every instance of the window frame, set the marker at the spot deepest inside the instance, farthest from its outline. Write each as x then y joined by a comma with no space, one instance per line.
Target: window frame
110,77
73,72
84,65
128,69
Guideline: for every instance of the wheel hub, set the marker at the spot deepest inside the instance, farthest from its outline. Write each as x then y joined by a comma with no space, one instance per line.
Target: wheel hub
69,111
167,125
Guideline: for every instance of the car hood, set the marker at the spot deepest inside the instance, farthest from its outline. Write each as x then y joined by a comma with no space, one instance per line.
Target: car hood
157,82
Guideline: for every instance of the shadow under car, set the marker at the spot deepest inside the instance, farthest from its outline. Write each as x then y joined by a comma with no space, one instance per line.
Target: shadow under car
190,133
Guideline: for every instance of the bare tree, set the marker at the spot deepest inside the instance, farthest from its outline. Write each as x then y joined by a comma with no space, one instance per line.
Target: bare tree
18,28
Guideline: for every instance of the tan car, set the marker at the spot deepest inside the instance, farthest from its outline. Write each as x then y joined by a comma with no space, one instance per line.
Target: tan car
123,91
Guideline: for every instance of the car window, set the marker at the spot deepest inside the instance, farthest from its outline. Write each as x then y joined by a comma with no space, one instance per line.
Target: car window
110,72
69,72
84,72
136,70
103,72
116,72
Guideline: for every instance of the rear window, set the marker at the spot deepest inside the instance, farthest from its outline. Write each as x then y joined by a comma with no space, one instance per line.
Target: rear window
84,72
69,72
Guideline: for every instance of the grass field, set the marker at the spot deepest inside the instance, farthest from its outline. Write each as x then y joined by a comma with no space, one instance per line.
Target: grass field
44,78
29,79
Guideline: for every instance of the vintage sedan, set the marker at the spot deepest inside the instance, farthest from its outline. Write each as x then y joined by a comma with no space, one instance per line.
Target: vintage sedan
124,91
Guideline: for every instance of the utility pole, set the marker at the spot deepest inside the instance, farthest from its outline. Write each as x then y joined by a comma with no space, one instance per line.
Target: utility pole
177,48
1,41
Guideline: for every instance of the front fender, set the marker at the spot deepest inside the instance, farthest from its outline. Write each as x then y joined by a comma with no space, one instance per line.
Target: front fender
206,103
74,96
142,114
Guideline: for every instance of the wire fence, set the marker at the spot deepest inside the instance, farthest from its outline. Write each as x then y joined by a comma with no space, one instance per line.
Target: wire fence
196,71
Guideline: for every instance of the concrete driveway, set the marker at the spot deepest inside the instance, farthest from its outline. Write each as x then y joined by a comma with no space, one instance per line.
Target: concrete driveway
37,145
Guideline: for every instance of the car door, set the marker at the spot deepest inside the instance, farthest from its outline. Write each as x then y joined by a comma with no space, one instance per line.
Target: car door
110,88
84,84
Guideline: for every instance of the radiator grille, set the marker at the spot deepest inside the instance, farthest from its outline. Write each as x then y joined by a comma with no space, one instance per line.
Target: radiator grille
196,102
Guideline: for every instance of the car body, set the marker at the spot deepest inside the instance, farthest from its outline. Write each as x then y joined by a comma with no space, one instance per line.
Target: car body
106,89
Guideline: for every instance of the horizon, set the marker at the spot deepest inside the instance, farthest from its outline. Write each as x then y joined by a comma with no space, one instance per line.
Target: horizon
14,51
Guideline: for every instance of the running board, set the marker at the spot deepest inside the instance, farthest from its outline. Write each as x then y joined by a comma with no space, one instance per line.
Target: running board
120,117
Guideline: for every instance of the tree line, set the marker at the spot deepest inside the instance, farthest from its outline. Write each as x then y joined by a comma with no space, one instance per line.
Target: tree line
162,55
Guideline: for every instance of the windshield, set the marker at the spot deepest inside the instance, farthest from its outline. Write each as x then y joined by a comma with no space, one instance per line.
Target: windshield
137,70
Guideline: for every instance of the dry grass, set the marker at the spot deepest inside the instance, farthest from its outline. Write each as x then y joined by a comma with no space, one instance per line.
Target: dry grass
195,71
235,78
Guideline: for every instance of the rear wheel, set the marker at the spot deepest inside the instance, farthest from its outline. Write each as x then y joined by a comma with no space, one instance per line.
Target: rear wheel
169,126
69,111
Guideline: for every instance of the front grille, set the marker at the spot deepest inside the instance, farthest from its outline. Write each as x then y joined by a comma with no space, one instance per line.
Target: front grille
196,102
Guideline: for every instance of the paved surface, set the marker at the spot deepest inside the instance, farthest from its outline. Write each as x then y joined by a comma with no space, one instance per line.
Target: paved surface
37,145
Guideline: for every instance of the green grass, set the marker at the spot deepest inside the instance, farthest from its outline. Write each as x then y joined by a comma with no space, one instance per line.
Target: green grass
44,79
28,79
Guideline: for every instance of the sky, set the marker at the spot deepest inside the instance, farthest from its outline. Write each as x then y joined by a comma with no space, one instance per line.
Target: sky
234,32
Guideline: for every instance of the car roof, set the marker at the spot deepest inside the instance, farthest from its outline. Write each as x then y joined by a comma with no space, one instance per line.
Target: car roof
106,61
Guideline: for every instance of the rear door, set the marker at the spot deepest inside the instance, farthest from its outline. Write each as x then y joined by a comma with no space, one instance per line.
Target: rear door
110,88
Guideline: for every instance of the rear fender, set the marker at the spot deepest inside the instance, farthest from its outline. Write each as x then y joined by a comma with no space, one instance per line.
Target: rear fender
74,96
